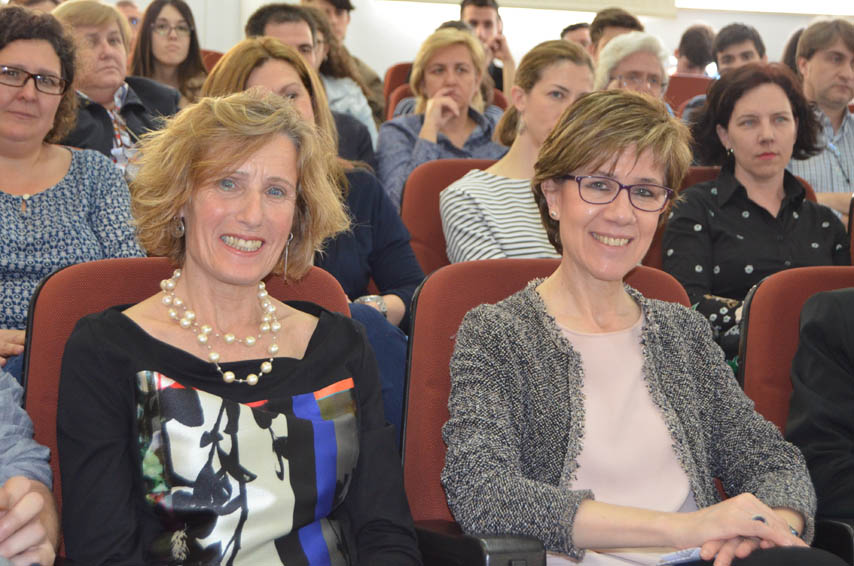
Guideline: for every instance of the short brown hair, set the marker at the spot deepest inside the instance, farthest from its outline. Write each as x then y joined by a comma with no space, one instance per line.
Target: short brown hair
821,34
726,91
598,128
17,23
440,39
206,140
612,18
529,73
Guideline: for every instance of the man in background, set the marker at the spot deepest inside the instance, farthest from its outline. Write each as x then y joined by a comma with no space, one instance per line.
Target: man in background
695,50
608,24
483,17
579,33
825,59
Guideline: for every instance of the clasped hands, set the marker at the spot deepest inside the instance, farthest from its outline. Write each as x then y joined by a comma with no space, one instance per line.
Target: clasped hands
736,527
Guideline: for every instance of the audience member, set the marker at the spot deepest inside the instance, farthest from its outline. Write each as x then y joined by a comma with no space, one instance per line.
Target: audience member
595,419
338,13
168,49
633,61
735,45
695,50
483,17
40,5
448,122
726,235
579,33
214,460
131,12
608,24
487,85
58,206
790,51
492,213
821,414
291,26
344,89
826,63
377,247
114,110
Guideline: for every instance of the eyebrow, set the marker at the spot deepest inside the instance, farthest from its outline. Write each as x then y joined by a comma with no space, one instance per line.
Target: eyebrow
641,180
560,88
273,179
746,54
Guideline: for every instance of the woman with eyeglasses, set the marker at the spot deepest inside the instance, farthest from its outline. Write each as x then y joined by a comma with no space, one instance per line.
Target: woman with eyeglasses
595,419
57,207
114,110
633,61
168,50
752,221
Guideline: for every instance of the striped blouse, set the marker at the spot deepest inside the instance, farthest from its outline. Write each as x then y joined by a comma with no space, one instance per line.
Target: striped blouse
486,216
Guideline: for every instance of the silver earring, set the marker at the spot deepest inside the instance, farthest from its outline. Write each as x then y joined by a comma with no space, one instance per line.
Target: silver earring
553,214
287,246
178,227
730,151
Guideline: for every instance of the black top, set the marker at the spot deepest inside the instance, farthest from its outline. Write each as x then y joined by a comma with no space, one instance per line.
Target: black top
719,243
821,416
377,247
497,74
354,140
113,515
146,102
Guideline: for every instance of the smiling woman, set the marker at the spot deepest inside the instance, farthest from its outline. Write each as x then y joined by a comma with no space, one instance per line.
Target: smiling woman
214,387
114,109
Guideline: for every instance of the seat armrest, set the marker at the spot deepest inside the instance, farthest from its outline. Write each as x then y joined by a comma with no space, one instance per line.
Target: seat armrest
835,536
442,543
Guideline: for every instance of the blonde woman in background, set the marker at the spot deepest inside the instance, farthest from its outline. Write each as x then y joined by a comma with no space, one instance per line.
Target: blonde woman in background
492,213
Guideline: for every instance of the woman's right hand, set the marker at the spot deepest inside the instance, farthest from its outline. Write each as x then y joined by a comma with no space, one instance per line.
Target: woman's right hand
732,528
440,110
11,344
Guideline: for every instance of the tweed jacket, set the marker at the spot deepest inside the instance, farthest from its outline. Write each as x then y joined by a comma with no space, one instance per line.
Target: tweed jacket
517,421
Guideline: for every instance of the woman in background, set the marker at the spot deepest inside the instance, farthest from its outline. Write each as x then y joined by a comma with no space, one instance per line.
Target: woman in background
726,235
448,122
167,49
492,213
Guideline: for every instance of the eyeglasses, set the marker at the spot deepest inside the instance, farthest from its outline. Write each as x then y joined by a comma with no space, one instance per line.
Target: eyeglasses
48,84
639,80
594,189
164,29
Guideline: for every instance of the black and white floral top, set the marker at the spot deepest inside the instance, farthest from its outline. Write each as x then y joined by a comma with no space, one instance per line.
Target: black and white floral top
719,243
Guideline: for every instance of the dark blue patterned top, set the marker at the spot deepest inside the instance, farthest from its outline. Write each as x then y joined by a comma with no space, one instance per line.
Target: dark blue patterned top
84,217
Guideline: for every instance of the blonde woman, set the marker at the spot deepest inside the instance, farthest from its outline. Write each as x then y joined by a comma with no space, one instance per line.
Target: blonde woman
211,423
448,122
492,213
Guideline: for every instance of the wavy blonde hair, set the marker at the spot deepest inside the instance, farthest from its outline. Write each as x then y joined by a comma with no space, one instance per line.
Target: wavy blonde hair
210,138
441,39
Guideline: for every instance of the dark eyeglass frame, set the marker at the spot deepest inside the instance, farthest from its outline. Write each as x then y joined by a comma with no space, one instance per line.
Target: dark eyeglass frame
169,27
627,188
36,78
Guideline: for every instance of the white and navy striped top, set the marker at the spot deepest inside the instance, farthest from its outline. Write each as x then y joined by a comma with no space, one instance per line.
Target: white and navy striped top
832,170
487,216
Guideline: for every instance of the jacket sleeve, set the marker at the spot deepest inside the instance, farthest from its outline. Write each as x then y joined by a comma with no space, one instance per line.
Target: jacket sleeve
467,233
746,452
399,151
487,489
821,415
376,506
99,507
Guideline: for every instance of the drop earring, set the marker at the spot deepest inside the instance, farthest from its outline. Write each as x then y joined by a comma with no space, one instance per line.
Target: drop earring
285,268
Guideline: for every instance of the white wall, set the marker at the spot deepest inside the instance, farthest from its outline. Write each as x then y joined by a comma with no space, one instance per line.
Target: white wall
384,32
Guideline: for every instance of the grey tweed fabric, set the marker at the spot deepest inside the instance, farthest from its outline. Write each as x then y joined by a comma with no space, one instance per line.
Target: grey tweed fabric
517,421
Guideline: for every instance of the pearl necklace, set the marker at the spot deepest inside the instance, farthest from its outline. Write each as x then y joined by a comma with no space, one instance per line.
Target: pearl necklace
185,318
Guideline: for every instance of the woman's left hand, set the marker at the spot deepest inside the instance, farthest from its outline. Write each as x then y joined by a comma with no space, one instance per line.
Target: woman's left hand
11,344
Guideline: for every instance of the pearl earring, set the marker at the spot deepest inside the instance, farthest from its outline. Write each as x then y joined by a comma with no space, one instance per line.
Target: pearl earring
553,214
